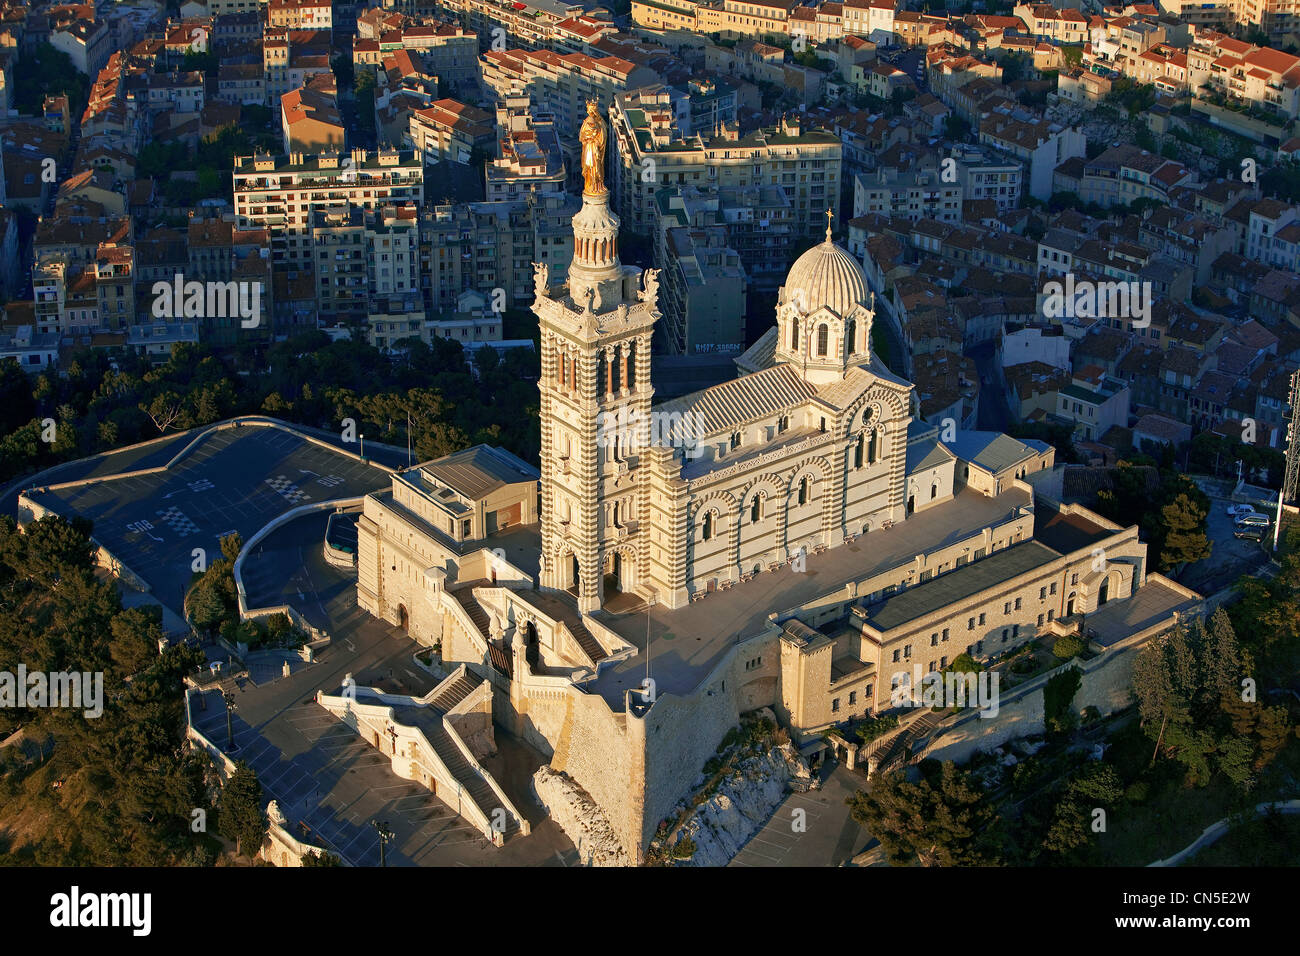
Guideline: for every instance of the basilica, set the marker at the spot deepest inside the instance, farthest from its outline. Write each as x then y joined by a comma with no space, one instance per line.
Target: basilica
793,538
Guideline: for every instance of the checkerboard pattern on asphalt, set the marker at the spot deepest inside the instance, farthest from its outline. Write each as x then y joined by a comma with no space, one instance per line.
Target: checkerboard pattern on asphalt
178,521
288,490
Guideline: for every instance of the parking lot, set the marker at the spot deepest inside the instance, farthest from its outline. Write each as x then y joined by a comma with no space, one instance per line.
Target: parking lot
1230,557
235,480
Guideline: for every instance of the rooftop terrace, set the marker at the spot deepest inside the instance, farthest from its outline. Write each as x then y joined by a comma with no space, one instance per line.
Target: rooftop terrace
687,643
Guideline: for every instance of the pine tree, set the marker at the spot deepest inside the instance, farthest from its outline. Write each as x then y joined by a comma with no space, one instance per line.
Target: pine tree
948,822
1184,540
241,815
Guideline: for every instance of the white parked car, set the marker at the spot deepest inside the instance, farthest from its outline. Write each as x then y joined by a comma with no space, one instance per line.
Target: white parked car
1238,511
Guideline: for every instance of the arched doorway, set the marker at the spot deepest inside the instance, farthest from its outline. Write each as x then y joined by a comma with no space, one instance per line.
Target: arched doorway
618,574
575,574
403,618
1069,605
1103,595
911,503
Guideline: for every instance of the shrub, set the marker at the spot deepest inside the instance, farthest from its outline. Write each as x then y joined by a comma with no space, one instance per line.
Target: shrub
1057,696
1067,646
1137,792
684,848
873,727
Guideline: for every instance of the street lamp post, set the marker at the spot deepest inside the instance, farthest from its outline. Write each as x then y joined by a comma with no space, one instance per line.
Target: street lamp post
230,726
385,834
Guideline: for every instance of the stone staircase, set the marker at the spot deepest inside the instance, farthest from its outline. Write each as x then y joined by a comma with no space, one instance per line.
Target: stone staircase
454,693
897,750
561,608
475,787
465,598
590,646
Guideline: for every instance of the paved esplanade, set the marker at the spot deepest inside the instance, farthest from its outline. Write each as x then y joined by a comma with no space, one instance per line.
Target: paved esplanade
231,480
689,642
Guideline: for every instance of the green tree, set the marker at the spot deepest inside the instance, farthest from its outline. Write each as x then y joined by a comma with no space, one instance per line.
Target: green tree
1096,786
324,858
241,816
1185,540
231,545
945,822
1067,647
17,405
1058,700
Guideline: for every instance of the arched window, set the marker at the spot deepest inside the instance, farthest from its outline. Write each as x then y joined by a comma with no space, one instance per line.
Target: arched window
756,509
803,490
934,491
851,336
871,450
823,340
794,335
707,532
857,453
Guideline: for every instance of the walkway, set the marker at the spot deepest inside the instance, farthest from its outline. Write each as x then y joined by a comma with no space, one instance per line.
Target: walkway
826,835
1215,831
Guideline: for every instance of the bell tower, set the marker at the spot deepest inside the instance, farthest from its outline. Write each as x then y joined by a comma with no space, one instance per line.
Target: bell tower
595,401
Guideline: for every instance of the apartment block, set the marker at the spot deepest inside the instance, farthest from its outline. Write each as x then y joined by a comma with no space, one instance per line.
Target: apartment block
76,31
1093,403
802,165
1039,144
987,175
450,130
291,58
914,193
310,122
1123,174
529,155
561,84
281,192
492,245
1227,76
704,280
300,14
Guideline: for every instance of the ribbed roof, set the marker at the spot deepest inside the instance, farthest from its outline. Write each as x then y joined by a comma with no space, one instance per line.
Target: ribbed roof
740,400
828,276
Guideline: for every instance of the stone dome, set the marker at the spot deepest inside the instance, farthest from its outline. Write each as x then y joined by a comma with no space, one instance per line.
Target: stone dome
827,276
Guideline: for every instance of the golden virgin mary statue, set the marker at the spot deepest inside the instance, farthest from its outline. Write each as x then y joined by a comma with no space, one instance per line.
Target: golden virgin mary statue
592,137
